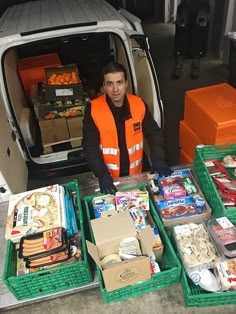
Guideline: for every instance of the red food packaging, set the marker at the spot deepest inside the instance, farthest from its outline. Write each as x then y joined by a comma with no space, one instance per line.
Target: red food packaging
216,169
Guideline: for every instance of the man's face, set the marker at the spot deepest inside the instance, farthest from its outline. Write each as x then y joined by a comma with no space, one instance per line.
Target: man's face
115,86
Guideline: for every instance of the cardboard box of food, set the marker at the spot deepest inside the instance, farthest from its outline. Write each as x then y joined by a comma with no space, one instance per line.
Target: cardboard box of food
54,131
75,126
108,233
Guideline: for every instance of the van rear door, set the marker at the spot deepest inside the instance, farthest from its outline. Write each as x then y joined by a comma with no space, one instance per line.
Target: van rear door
13,169
147,83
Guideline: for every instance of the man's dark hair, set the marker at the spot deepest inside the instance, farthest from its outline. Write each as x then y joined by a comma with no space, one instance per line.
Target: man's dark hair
113,67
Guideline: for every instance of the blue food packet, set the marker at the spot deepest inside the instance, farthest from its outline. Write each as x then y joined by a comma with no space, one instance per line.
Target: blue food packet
102,204
177,208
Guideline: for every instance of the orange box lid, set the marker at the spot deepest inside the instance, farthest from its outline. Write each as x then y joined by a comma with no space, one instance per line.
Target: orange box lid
218,102
39,61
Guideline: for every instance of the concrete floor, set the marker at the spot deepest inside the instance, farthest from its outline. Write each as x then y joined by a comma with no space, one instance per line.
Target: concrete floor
168,300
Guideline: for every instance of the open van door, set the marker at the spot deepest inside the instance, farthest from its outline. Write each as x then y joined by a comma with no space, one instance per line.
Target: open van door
13,169
147,83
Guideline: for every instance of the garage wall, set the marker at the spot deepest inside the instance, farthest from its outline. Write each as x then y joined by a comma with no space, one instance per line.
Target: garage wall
148,9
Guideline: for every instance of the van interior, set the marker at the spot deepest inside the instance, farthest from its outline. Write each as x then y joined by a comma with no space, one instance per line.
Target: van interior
90,53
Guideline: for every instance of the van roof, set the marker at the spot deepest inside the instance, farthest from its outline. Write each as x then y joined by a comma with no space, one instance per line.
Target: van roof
46,15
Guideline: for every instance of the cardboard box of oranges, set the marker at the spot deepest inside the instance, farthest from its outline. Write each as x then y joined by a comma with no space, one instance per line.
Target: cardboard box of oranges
62,83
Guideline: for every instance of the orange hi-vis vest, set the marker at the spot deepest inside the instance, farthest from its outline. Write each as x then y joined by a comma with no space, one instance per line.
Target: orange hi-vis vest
109,146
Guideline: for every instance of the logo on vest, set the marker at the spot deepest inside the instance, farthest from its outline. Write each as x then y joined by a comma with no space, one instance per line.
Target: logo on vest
137,126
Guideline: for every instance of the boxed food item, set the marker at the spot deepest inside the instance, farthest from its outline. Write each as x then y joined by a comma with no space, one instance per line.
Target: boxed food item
223,233
179,210
215,169
108,233
42,243
195,247
103,204
226,185
178,184
176,208
126,200
32,211
226,272
63,83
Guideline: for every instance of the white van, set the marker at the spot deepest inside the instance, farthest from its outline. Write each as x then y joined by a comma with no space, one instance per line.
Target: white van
88,34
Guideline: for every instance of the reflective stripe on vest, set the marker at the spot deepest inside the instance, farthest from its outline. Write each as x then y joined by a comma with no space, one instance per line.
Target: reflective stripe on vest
135,148
112,167
109,146
136,163
109,151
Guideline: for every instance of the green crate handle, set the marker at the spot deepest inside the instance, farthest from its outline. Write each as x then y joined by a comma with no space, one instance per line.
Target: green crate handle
211,150
222,147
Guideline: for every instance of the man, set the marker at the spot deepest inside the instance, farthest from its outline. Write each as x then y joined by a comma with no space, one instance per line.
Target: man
113,130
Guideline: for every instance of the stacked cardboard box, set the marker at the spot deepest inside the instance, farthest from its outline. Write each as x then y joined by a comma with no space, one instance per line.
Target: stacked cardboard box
209,119
55,131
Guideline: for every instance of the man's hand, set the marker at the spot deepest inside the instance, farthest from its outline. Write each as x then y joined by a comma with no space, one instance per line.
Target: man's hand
161,167
106,185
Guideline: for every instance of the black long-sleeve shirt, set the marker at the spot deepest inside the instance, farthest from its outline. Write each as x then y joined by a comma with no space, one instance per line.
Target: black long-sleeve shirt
91,138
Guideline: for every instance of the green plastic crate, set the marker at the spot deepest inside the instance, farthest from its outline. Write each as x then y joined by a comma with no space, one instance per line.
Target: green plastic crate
51,280
203,153
196,296
170,265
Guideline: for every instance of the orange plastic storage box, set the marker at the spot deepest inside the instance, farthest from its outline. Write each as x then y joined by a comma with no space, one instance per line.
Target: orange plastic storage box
184,158
211,113
31,70
188,140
